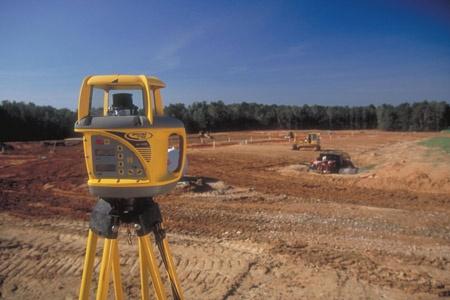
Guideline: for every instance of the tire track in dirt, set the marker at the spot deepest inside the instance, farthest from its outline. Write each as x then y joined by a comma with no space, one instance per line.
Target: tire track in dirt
36,251
376,267
372,267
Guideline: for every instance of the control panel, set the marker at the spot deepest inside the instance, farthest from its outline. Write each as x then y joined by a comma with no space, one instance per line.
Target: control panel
112,159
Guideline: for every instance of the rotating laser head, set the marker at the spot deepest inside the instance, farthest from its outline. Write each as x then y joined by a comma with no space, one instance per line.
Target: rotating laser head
126,137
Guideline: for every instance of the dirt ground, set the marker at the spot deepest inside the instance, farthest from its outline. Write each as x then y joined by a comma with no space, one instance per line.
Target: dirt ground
251,223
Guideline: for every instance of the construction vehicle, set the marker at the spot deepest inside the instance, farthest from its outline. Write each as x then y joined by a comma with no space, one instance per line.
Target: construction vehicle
311,141
133,152
333,161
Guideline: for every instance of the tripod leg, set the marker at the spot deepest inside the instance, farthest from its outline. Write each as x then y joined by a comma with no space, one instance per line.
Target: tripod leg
171,269
105,268
116,270
163,246
88,266
152,267
144,274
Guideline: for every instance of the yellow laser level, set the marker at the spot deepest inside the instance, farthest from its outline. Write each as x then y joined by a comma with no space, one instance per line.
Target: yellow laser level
127,136
126,139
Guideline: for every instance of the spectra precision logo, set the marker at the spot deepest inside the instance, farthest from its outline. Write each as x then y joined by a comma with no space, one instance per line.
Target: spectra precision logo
138,136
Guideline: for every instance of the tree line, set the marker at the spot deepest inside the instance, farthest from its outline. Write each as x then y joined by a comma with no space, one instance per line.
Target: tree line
217,116
21,121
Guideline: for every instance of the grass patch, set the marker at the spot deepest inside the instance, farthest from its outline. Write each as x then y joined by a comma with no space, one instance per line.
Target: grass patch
442,143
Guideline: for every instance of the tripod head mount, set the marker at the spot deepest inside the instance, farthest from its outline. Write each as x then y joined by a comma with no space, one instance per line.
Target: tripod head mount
109,214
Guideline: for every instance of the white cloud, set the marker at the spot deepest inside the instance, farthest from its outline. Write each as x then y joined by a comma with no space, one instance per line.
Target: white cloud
169,57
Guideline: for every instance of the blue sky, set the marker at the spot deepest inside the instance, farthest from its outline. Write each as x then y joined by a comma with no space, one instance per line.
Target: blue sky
282,52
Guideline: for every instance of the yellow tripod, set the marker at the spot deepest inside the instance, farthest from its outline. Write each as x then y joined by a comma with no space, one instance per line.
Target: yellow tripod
105,221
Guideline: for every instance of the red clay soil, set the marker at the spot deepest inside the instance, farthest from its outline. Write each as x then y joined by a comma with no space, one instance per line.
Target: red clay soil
386,227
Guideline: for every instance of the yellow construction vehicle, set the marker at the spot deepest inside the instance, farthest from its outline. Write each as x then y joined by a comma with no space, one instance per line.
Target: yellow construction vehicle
311,141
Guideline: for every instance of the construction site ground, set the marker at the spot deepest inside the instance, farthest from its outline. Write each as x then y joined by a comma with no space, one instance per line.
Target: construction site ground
250,222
